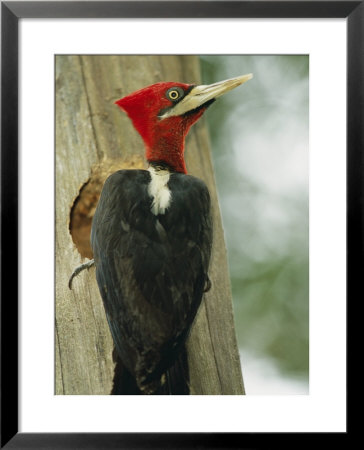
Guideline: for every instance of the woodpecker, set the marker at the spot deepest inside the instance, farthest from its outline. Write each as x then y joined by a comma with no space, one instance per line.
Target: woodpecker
152,237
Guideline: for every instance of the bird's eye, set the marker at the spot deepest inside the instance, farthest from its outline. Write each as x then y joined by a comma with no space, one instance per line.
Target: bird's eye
174,93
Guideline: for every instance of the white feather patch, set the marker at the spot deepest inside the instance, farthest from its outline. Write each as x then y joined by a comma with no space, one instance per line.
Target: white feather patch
159,191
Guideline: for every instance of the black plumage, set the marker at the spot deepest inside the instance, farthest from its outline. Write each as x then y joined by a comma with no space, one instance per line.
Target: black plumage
151,271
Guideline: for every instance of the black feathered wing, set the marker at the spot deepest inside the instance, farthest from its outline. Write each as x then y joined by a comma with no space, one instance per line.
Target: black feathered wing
151,270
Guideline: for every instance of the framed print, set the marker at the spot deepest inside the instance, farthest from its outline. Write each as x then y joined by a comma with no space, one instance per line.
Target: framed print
50,48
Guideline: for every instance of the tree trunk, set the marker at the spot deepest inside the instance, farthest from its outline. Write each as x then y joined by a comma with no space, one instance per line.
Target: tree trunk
94,139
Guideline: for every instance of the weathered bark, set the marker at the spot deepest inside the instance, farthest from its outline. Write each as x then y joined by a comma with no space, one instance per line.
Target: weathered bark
93,139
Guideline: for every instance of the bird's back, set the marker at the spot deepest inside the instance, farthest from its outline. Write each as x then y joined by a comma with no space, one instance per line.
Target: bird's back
151,268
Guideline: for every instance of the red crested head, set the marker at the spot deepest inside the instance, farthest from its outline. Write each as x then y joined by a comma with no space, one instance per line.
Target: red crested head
163,137
164,112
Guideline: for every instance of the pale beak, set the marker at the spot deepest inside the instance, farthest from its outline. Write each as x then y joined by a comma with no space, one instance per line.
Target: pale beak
199,95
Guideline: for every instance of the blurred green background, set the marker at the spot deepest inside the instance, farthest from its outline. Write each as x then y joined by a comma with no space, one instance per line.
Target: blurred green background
259,140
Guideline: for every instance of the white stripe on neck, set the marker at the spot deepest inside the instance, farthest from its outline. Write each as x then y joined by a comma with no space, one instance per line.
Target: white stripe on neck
159,191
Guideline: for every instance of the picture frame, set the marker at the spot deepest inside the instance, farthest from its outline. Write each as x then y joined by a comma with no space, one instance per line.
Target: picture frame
11,12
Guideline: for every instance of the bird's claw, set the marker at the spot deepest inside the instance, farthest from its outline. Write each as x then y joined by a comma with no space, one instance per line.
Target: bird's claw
208,284
79,269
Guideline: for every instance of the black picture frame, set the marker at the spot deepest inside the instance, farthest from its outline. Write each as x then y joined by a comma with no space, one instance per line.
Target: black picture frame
11,12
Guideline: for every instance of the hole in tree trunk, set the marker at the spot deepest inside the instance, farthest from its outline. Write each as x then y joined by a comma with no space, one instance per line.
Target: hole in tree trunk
82,212
84,206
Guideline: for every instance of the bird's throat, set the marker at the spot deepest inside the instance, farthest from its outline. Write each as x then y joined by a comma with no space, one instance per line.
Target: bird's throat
165,139
168,150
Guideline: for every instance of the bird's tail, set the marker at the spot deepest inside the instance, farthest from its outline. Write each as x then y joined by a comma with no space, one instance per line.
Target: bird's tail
174,382
177,377
123,383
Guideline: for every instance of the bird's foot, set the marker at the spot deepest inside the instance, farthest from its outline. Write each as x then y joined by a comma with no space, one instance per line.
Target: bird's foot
79,269
208,284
